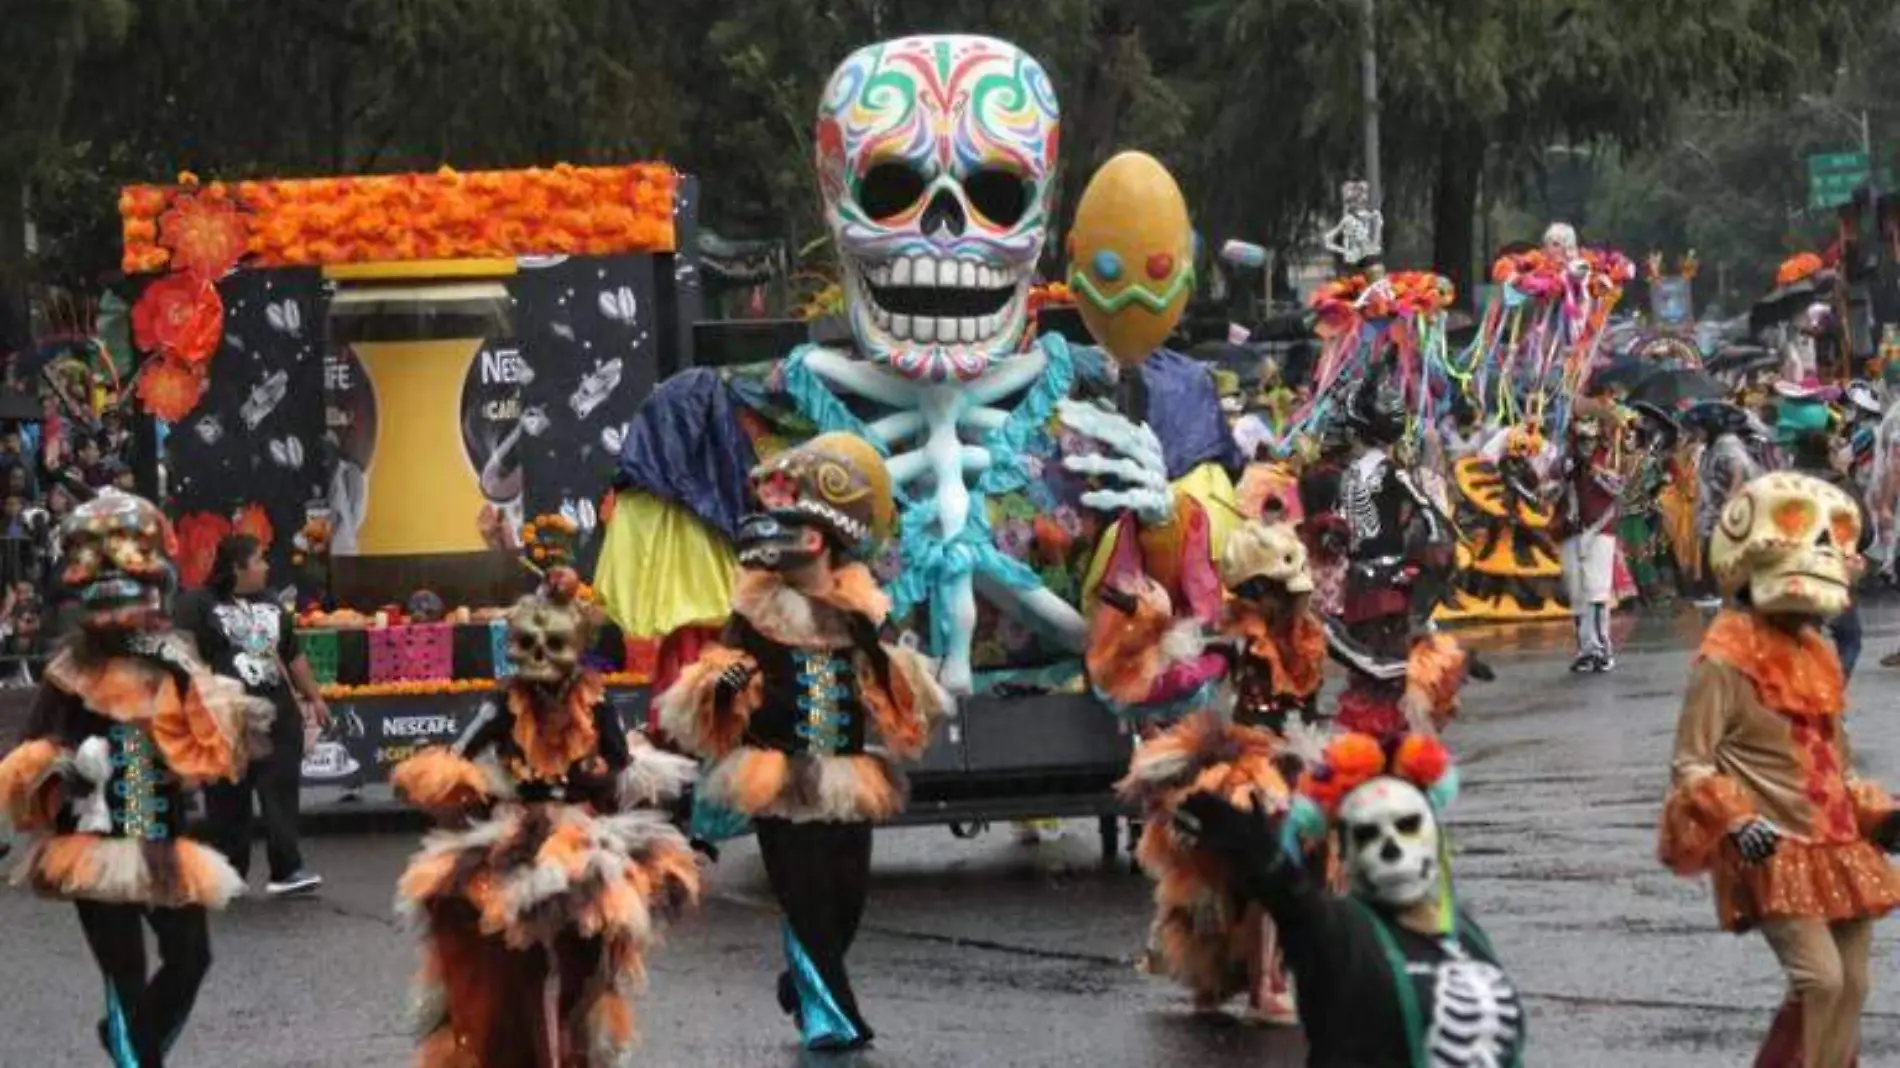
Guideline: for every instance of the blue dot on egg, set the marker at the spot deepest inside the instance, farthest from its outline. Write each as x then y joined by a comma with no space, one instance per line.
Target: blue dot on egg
1108,265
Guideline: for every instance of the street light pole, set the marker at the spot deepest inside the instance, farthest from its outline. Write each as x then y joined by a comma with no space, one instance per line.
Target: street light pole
1369,77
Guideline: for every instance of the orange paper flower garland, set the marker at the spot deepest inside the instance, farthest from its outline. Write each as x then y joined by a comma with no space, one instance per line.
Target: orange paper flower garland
1538,276
1360,298
563,209
179,320
434,687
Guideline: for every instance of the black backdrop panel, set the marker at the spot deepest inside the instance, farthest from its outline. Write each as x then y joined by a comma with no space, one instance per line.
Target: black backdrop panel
256,435
589,332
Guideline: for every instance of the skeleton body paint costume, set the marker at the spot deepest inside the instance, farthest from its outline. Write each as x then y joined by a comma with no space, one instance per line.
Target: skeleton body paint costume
1400,675
127,722
805,713
1763,794
1394,974
937,162
540,896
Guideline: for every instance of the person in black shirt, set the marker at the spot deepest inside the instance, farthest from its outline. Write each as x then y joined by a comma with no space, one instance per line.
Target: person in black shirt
1394,974
248,636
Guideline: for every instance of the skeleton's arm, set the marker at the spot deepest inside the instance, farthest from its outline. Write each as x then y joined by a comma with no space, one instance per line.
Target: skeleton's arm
863,379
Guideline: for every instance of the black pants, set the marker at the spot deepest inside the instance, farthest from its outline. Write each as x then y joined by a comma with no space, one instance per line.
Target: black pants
820,873
276,782
144,1016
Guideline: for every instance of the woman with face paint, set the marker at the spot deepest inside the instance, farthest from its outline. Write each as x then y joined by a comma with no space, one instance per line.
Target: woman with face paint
1394,974
805,713
539,897
1763,795
127,722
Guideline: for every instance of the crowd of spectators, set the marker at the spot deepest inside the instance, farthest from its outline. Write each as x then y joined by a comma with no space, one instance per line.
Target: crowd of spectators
46,468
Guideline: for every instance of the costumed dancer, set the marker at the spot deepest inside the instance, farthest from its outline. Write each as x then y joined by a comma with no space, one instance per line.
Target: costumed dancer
127,722
1401,675
1590,485
1202,935
1763,794
1394,974
788,704
540,895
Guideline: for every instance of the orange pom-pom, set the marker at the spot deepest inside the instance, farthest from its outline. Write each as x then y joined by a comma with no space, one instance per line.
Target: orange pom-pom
1422,760
1355,756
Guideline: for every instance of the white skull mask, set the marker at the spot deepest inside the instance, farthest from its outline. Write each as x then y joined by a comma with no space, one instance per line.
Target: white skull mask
936,158
1792,541
1390,839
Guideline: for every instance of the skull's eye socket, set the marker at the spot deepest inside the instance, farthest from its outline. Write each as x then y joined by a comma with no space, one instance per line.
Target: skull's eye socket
1364,834
1846,529
1409,825
557,644
999,195
890,189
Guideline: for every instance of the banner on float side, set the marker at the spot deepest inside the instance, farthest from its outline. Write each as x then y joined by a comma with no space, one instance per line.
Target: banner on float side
369,736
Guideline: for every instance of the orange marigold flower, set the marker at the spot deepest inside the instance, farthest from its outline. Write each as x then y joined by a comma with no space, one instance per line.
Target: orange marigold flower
169,389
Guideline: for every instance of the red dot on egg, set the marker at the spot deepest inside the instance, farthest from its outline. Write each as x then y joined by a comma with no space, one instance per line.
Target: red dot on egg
1160,265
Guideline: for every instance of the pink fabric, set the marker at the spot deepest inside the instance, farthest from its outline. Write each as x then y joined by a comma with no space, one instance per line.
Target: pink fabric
415,653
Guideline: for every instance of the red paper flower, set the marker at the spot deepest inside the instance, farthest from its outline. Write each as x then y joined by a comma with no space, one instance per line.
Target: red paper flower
169,389
198,536
252,520
206,237
179,316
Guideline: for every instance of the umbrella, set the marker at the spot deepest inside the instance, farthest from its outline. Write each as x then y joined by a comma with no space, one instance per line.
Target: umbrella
1785,302
1677,388
1660,421
1732,359
1625,371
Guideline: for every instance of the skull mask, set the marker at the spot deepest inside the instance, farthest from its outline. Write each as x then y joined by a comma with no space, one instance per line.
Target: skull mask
936,159
831,492
1792,541
1265,559
545,640
1390,838
116,561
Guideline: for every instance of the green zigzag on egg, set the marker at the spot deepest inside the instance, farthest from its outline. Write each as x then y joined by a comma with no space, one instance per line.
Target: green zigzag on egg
1135,293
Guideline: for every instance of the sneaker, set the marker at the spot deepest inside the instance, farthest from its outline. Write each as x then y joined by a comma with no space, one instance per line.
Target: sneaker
1584,662
301,882
1603,664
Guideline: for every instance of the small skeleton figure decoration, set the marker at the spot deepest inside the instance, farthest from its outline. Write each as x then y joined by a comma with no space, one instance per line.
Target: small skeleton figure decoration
1358,238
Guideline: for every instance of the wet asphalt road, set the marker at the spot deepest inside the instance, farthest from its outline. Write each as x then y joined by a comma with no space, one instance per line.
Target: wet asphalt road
986,952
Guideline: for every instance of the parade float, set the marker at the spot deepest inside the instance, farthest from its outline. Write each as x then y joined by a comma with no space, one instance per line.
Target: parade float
936,160
414,390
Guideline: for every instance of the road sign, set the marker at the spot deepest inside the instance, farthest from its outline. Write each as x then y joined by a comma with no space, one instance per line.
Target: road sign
1834,176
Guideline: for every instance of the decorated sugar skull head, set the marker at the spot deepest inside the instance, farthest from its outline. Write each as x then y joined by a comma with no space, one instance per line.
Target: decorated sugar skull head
1792,542
1261,559
1356,194
547,632
832,492
117,561
1560,243
1390,835
936,159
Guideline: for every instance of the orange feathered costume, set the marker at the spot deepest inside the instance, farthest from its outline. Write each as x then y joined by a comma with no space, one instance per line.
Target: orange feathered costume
547,883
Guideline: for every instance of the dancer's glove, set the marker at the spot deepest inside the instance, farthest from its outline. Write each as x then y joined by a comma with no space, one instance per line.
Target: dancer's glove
1887,835
1756,840
1247,839
731,683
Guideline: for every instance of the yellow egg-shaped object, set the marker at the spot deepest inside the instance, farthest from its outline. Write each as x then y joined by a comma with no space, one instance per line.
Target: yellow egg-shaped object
1131,256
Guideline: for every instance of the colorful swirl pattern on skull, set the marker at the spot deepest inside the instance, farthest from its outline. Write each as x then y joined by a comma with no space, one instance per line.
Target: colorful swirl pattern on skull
958,117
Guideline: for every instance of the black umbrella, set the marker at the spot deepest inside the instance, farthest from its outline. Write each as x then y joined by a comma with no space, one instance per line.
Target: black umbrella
1785,302
1625,371
1677,388
1741,358
1660,423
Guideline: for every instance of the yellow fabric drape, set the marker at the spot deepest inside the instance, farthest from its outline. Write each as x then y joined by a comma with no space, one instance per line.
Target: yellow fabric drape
661,568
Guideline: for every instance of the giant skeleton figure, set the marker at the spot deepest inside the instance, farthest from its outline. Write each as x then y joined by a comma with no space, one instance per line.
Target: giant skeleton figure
936,158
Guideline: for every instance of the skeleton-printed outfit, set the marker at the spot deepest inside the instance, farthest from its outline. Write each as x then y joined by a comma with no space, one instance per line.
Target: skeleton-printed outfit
1388,976
540,896
127,722
1763,794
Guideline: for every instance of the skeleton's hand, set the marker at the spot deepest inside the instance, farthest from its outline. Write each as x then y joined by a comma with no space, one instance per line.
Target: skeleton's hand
1134,461
1756,840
